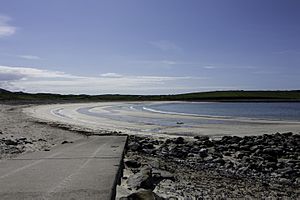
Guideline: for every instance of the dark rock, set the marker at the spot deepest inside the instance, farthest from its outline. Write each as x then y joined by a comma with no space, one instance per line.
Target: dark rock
288,134
65,142
148,146
208,143
219,160
179,140
203,153
10,142
23,138
132,163
202,138
134,146
28,142
234,146
270,151
239,155
178,152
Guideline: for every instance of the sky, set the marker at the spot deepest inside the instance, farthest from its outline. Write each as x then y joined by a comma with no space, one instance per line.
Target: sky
149,46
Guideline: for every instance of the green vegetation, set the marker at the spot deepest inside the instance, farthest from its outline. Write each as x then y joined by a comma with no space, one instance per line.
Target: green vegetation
6,96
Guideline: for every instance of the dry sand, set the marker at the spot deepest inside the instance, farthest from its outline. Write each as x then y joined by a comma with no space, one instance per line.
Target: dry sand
25,135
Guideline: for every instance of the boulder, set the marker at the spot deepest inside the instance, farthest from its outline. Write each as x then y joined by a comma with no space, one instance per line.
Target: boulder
179,140
142,179
132,163
134,146
203,153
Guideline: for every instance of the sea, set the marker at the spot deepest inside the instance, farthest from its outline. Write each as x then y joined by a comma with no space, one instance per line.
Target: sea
203,112
255,110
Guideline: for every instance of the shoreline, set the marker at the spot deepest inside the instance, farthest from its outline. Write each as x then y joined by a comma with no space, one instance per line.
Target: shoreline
68,114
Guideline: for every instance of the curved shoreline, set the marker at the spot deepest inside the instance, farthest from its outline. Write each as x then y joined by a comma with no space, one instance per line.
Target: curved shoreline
111,119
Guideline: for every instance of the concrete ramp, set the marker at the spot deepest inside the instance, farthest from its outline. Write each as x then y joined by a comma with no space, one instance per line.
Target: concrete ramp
85,169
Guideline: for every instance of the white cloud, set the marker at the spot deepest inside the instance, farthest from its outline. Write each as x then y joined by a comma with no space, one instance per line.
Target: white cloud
38,80
29,57
5,28
111,75
209,67
166,45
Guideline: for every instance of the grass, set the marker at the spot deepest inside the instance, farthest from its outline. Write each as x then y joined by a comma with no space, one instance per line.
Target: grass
6,96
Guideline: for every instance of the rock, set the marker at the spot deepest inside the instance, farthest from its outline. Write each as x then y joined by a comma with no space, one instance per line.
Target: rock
143,195
23,138
203,153
132,163
284,181
42,140
142,179
179,140
65,142
178,152
270,151
159,175
239,155
208,143
201,138
234,146
134,146
219,160
10,142
148,146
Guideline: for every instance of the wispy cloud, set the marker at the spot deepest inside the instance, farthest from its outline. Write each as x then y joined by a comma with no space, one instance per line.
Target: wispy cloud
111,75
29,57
5,28
156,62
215,66
38,80
166,45
22,56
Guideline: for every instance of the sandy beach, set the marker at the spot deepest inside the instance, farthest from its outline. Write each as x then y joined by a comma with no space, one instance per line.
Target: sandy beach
20,134
101,117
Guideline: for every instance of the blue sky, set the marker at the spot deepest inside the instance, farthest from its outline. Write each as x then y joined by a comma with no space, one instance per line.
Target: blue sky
149,47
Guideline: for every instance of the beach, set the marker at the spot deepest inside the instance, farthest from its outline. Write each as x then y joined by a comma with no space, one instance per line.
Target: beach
21,134
100,117
202,161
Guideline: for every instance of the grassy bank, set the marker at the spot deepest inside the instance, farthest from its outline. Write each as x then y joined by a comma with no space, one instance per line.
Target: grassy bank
7,96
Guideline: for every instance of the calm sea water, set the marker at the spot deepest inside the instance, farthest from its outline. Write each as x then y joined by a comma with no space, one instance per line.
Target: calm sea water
273,111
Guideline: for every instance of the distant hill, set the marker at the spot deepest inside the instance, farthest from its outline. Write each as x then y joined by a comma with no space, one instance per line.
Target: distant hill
7,96
2,91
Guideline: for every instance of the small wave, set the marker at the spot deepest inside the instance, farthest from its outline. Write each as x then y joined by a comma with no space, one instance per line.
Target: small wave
212,117
172,113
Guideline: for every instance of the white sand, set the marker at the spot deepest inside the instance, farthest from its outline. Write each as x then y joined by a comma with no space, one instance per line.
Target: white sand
68,114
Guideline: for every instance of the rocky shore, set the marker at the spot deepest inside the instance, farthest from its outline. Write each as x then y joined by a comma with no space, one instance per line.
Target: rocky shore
250,167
